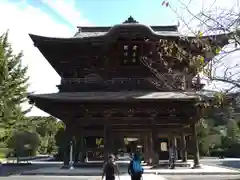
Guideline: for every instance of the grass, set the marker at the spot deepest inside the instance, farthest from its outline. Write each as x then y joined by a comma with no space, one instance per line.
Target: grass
2,156
3,153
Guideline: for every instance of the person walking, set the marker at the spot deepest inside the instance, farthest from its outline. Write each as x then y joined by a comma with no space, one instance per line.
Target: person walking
110,168
135,169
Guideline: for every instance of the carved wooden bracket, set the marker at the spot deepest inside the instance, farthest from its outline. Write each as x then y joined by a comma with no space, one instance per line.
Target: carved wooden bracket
153,113
130,112
108,113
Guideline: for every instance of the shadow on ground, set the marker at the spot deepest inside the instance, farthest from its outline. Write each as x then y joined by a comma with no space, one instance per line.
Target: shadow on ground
54,170
231,164
14,169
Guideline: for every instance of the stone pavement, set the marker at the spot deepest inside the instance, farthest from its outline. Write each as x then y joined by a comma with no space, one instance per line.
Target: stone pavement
201,177
204,170
122,177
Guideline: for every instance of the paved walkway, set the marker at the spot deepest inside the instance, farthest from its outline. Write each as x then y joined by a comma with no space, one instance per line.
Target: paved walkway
123,177
204,170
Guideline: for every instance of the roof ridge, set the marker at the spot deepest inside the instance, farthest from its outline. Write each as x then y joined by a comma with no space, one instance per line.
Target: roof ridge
107,28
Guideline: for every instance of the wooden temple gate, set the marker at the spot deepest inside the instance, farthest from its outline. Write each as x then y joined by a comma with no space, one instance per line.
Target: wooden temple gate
107,90
148,118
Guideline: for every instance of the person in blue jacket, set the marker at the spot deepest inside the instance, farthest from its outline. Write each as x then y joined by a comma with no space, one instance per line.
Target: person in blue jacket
135,169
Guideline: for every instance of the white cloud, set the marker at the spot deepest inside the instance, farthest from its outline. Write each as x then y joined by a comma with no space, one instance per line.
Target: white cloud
68,10
21,19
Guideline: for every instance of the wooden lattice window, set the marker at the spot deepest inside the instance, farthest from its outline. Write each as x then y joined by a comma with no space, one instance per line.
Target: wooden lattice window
130,55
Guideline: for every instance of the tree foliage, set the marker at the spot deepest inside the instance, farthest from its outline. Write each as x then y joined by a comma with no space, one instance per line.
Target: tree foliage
13,83
233,131
23,135
203,131
24,143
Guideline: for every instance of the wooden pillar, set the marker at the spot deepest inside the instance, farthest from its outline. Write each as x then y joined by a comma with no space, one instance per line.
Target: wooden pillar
83,149
79,149
111,139
141,142
106,142
183,148
150,146
174,141
169,146
76,149
155,146
195,146
172,152
146,148
68,138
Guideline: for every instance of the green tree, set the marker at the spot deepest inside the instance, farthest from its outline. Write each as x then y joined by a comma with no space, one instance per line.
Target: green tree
232,131
47,128
24,143
13,84
60,143
203,130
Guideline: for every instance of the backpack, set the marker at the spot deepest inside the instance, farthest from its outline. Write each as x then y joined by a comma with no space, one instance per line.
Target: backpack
136,167
110,169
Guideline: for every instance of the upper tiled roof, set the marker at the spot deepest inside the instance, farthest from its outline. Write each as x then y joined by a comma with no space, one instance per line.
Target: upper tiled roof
99,31
94,34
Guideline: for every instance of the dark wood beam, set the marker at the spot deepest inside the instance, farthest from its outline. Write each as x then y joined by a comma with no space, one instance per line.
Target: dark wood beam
148,127
165,107
132,123
134,132
131,120
63,112
135,128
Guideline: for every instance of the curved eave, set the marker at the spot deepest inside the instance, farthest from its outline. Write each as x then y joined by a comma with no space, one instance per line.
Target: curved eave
223,38
43,39
40,42
52,48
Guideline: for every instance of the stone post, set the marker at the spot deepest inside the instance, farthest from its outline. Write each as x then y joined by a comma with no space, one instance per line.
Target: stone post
195,146
71,155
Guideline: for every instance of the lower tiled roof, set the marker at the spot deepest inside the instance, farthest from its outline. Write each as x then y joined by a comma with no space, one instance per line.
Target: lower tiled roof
124,95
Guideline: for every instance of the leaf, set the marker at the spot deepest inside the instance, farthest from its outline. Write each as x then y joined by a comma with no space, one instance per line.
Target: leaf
200,34
201,60
218,50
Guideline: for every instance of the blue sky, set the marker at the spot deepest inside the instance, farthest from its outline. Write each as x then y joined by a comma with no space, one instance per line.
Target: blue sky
109,12
59,18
